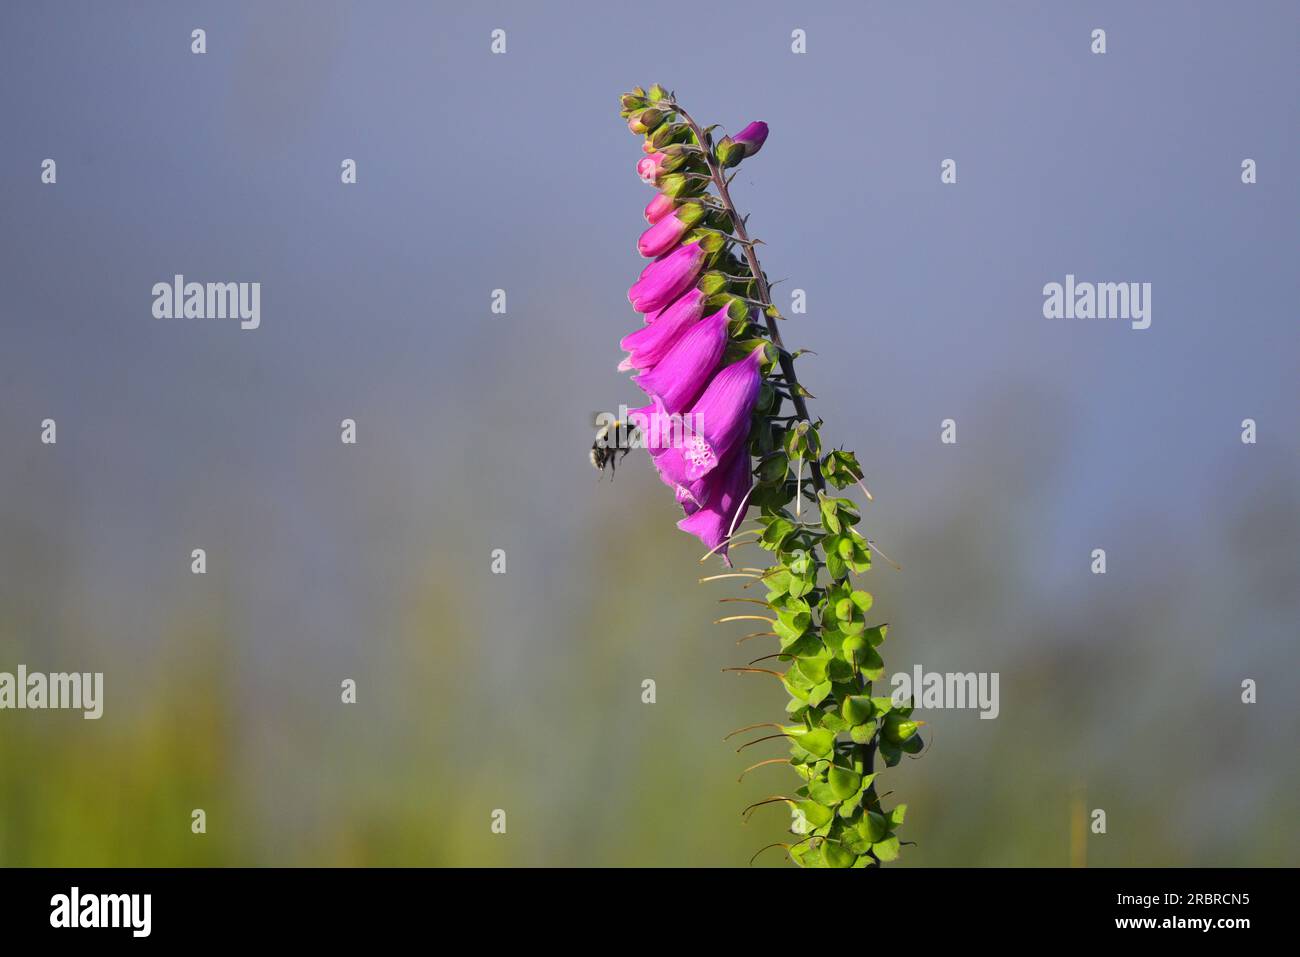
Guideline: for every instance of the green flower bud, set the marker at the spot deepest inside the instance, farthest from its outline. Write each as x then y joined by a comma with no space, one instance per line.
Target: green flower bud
712,283
669,133
671,164
635,100
643,121
709,242
689,214
728,152
657,93
678,184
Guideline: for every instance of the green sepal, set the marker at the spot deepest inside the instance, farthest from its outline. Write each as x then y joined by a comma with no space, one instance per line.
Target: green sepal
870,663
634,99
822,793
841,468
798,692
886,850
873,826
842,672
669,134
837,512
796,442
844,782
863,733
814,669
857,709
774,468
898,729
679,184
728,152
855,842
818,815
817,742
712,283
837,856
854,801
805,645
778,530
805,855
832,722
646,120
819,693
889,752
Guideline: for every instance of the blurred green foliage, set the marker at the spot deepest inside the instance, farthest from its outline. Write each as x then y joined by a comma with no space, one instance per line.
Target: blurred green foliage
523,693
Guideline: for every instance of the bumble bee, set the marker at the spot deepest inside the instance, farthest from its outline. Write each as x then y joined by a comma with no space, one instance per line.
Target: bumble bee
613,441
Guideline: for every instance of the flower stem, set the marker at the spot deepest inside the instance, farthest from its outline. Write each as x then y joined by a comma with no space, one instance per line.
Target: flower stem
764,293
865,752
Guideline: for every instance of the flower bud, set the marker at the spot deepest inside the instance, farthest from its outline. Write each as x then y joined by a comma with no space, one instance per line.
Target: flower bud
657,93
648,168
678,184
643,121
666,233
752,137
675,158
732,149
667,278
658,208
669,133
635,100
